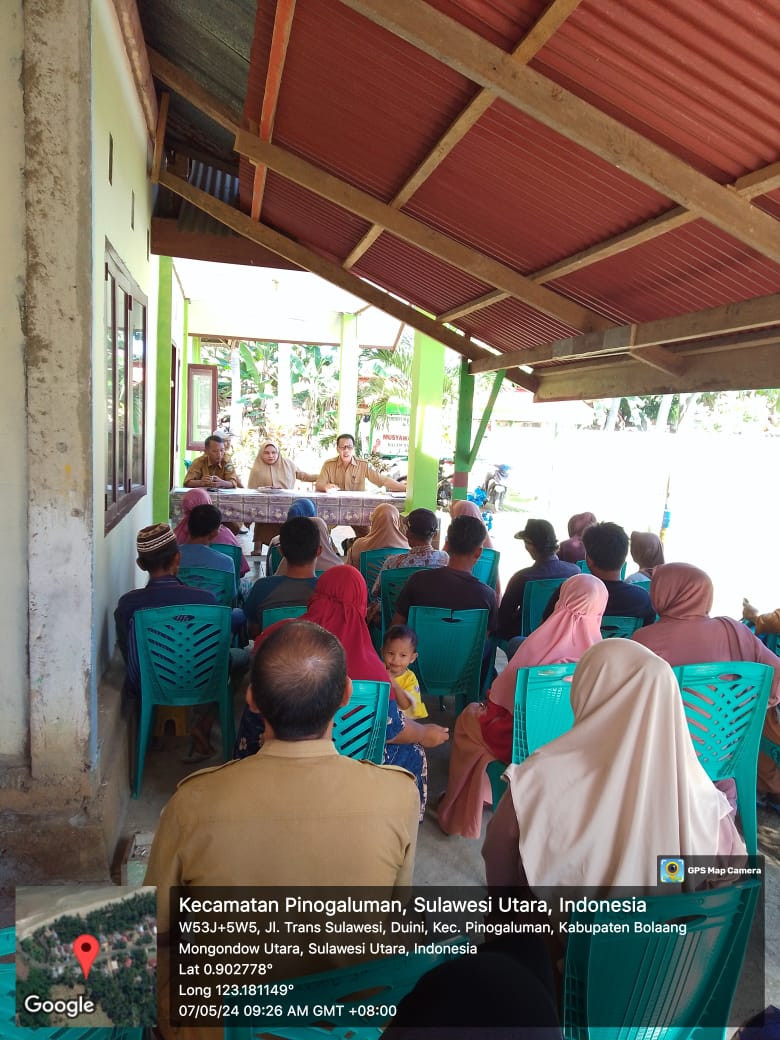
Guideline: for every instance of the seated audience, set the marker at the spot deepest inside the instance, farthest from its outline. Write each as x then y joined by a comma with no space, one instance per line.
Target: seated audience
339,605
541,544
299,541
453,586
606,548
300,507
399,650
296,813
647,552
328,556
484,732
686,634
597,806
384,532
224,536
571,549
421,526
203,525
158,555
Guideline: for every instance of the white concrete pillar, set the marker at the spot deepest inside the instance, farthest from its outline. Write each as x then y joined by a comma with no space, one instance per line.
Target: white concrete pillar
14,686
58,315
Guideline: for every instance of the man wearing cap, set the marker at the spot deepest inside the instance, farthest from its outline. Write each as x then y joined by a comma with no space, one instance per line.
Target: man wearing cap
542,546
421,526
158,555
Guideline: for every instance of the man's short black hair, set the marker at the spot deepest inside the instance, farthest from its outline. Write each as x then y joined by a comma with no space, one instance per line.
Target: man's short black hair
465,535
299,540
203,520
213,437
345,437
299,675
400,632
607,545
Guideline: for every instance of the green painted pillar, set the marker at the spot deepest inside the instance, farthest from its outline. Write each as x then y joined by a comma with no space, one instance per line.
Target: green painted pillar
349,354
162,411
425,430
460,480
185,364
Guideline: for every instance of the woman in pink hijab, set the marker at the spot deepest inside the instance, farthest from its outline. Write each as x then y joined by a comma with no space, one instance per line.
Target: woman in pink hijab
572,550
201,497
686,634
484,732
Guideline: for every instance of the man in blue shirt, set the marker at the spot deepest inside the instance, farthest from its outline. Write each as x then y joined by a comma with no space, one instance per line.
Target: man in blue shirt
158,555
203,525
542,546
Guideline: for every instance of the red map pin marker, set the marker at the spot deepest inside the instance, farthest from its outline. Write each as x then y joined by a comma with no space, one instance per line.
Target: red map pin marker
86,948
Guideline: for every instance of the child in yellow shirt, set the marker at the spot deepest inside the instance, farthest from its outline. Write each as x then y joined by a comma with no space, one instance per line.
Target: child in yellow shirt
399,650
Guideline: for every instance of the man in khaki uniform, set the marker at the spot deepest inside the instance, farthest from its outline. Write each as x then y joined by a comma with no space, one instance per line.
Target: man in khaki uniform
346,473
295,813
213,469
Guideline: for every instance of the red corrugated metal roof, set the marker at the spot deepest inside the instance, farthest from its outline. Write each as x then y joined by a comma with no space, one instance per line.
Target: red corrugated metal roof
699,77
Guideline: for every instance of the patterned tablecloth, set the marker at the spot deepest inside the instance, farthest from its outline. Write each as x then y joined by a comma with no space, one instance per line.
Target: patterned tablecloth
335,507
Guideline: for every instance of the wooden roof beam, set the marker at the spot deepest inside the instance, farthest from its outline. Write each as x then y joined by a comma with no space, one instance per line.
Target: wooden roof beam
407,228
533,41
135,48
280,39
760,312
332,272
550,104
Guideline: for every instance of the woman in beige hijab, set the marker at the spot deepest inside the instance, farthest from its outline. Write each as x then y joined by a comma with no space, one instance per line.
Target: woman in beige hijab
384,533
597,806
272,470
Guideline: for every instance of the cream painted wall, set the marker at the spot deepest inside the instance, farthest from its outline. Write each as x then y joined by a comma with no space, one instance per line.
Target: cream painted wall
14,688
116,112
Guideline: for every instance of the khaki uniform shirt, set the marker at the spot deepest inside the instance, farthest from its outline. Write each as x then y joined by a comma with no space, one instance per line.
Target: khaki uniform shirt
353,477
201,467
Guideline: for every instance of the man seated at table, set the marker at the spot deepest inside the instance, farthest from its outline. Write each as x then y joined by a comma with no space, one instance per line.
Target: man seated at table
203,525
299,543
346,473
213,469
453,586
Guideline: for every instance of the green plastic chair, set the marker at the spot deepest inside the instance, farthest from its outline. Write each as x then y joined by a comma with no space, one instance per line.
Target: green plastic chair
9,1030
486,567
371,561
392,581
450,649
495,773
272,560
347,991
360,727
221,584
542,707
772,640
183,659
614,626
725,703
661,985
271,615
536,596
583,566
235,553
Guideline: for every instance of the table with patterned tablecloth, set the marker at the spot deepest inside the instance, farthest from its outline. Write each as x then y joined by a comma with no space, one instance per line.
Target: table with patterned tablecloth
270,506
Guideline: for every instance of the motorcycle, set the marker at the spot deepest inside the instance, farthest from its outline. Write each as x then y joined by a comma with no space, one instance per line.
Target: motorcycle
496,486
444,489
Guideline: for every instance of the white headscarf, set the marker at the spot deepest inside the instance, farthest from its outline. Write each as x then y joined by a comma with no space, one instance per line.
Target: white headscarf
598,805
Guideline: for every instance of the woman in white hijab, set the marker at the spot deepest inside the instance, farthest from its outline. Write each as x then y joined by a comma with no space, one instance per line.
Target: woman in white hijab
597,806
